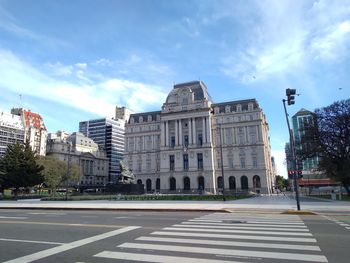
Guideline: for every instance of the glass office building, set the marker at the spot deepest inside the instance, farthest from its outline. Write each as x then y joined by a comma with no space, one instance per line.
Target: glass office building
108,133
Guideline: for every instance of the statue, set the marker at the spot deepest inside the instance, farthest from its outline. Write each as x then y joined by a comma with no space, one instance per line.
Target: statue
126,176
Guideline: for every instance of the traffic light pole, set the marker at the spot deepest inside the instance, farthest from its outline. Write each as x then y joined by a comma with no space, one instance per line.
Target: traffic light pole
292,146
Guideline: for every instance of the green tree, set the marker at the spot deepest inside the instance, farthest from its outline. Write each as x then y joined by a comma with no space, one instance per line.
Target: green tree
328,137
19,168
56,172
281,182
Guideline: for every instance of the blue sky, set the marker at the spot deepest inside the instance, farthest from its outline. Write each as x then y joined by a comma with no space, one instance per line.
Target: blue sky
76,60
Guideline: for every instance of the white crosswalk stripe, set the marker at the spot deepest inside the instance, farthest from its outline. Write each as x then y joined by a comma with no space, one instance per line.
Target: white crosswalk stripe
210,238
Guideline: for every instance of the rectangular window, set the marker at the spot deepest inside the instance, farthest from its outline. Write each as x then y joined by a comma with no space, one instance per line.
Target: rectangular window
230,162
186,140
200,161
242,163
172,141
172,162
255,162
200,139
185,157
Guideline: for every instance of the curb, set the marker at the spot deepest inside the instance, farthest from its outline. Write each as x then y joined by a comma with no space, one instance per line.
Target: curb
295,212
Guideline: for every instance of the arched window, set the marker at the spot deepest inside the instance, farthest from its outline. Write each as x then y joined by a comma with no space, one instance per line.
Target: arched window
139,181
232,182
256,181
187,183
158,184
219,182
244,182
172,184
148,185
201,183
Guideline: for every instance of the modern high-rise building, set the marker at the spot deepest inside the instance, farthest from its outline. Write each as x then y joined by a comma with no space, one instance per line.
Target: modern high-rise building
311,174
299,120
108,133
35,130
11,131
182,147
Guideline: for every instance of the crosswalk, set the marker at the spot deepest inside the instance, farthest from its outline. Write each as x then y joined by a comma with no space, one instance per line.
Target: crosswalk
223,237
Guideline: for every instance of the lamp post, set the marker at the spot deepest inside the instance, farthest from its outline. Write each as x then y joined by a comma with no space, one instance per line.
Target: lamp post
68,168
290,95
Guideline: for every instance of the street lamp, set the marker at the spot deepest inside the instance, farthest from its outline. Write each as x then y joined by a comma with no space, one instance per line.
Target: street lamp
290,93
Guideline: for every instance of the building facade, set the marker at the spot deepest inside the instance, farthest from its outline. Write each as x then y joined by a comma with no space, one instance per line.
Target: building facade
182,147
311,175
35,130
108,133
11,131
84,152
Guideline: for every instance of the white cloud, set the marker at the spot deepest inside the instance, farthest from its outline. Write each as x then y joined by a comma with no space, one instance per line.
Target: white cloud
333,41
287,36
280,161
13,26
99,97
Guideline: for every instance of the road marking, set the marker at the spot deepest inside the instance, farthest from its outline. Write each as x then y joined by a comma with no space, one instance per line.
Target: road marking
243,227
207,235
250,222
60,224
237,231
347,227
122,217
30,241
52,251
13,217
228,252
89,216
242,224
229,243
43,213
157,258
344,224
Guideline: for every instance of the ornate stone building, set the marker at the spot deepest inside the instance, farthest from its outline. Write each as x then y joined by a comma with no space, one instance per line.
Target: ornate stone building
179,149
77,149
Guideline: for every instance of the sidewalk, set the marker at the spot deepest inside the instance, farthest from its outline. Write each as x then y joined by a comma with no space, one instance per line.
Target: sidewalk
273,203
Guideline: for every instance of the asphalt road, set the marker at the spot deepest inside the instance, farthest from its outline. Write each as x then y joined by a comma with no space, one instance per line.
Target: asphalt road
106,236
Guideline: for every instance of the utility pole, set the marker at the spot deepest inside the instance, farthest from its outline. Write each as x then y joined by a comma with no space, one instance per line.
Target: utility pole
290,93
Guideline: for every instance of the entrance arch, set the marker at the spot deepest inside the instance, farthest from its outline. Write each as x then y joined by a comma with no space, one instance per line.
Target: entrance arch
244,183
148,185
172,184
187,183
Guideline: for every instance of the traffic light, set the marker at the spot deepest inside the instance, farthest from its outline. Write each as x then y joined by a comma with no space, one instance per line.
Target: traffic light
290,93
290,174
300,174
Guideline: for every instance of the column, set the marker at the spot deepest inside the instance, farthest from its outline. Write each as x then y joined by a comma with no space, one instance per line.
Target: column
194,131
180,132
208,129
167,133
189,131
162,132
204,136
176,133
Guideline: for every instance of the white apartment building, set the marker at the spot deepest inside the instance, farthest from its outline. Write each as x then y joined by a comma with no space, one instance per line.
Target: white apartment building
11,131
179,148
35,130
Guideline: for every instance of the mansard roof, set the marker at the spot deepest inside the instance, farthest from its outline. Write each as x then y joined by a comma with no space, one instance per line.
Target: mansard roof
144,115
233,104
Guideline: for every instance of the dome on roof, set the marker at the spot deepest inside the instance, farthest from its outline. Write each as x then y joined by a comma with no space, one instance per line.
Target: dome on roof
186,93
